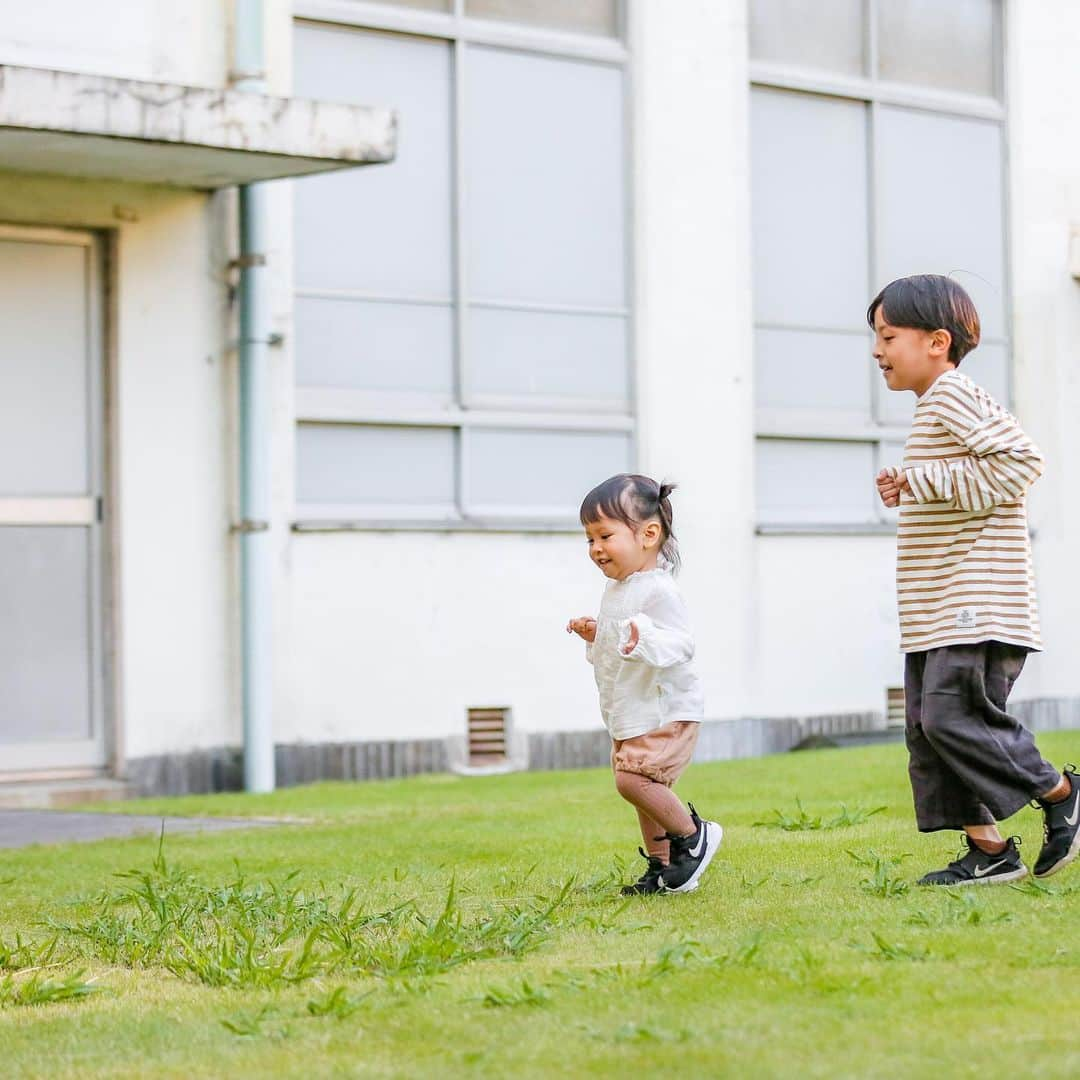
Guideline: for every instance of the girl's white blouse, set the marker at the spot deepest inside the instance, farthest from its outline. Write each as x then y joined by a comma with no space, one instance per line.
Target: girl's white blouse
657,682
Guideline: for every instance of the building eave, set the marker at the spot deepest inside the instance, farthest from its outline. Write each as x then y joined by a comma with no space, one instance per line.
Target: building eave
92,126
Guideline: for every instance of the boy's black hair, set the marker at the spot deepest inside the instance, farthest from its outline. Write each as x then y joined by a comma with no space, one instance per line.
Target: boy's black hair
930,302
634,500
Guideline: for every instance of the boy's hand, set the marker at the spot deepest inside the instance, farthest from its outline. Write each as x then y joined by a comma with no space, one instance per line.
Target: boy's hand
891,484
632,643
585,627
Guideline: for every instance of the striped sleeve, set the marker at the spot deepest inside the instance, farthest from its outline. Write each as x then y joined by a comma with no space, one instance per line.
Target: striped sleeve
1002,462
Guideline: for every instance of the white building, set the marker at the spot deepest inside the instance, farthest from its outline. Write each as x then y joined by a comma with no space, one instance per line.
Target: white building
614,235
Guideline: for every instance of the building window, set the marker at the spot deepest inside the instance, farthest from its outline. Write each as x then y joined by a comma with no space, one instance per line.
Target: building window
877,152
462,319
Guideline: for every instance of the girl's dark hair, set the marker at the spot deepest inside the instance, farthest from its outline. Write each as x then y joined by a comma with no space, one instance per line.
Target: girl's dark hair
634,500
930,302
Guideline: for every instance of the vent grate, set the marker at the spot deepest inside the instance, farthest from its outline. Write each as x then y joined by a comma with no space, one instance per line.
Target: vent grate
895,709
487,736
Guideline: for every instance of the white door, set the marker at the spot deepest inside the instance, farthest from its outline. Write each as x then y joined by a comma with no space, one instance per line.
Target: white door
51,418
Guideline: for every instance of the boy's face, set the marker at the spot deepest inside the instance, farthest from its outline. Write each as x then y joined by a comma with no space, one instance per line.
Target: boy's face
910,359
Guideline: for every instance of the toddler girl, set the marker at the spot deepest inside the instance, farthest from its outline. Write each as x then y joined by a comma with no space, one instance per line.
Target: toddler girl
641,649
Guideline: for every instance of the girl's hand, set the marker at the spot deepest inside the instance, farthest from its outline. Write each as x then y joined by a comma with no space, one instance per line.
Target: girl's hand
585,627
631,645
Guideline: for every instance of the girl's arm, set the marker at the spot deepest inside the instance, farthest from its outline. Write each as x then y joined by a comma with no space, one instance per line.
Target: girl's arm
660,635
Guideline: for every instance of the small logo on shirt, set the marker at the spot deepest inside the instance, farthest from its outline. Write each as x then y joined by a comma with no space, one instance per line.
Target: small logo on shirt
965,619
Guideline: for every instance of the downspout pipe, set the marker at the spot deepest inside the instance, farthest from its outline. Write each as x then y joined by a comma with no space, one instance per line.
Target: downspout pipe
255,431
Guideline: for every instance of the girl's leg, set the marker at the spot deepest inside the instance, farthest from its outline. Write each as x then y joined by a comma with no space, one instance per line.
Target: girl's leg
650,830
655,801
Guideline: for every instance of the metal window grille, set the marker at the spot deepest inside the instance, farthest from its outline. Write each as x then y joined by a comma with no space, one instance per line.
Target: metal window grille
487,736
894,707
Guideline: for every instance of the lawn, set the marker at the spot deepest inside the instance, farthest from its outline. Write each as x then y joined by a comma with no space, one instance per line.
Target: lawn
471,927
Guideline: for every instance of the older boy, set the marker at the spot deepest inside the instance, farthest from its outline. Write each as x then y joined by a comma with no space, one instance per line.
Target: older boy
968,613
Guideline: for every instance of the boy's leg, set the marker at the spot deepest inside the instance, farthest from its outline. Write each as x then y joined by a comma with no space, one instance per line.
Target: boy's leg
965,691
985,762
942,800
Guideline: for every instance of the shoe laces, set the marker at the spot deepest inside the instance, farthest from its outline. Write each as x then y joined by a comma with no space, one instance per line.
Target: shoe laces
655,865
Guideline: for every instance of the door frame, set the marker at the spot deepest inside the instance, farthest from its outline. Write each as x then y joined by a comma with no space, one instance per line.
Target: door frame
96,511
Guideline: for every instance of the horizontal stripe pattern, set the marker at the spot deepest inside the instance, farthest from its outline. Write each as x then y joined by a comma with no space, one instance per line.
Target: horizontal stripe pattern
963,566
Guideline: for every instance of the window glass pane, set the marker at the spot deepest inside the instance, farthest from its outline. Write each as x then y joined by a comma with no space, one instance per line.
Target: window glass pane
820,372
45,634
809,210
539,473
540,355
44,421
403,348
580,16
377,467
943,221
948,45
810,483
384,228
544,184
825,34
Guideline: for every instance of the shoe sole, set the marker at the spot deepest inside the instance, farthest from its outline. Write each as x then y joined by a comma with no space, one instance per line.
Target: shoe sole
1074,850
714,836
997,879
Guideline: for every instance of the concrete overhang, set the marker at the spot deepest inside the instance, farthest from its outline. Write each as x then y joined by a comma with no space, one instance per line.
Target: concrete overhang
92,126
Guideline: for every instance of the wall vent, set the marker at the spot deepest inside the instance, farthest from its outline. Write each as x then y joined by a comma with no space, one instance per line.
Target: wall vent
894,707
488,737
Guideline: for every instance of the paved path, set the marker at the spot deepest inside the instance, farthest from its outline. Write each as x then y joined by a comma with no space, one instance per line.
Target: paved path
20,828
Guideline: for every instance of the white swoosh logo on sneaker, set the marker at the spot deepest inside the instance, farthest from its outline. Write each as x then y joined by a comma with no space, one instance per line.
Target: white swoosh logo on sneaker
695,852
982,871
1074,817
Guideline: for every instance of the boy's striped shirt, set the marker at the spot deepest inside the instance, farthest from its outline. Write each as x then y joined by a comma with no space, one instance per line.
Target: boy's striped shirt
964,572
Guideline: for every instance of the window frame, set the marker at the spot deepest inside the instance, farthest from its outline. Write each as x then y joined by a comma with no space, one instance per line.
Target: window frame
469,411
874,93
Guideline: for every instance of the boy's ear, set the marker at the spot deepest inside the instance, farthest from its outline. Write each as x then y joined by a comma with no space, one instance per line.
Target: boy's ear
940,342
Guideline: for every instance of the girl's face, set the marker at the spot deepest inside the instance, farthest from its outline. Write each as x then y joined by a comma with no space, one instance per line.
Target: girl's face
619,550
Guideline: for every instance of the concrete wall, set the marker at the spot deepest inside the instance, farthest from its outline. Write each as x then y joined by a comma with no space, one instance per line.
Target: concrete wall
1044,173
391,636
135,39
394,631
171,447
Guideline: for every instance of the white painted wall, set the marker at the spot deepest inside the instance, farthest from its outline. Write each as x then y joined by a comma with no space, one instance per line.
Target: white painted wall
396,635
133,39
785,624
383,635
1044,102
171,431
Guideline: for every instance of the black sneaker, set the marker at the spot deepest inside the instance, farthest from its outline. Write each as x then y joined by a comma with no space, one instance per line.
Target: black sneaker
649,882
691,855
977,868
1061,829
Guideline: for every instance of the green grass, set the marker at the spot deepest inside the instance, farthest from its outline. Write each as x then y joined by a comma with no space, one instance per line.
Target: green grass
471,928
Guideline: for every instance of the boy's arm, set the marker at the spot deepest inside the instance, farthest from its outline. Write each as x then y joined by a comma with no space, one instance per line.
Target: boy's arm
1003,464
660,635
